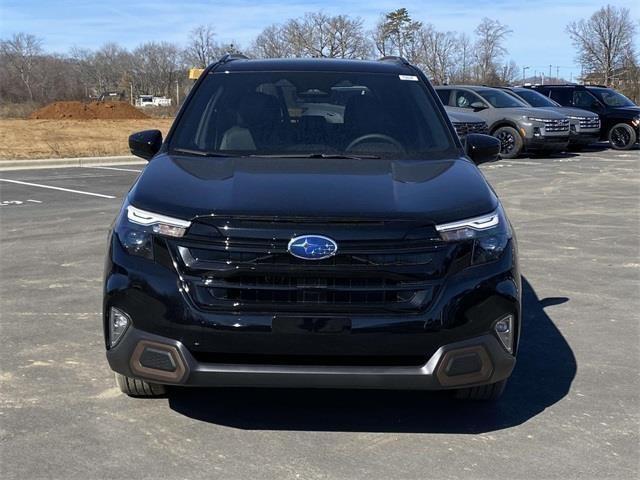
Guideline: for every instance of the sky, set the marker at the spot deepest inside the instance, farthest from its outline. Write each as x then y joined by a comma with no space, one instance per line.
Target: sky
538,39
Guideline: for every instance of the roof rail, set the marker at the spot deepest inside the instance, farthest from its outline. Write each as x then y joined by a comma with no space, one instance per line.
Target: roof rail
394,58
227,57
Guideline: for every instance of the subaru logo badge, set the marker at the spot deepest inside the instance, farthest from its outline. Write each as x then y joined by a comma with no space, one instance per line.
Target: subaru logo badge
312,247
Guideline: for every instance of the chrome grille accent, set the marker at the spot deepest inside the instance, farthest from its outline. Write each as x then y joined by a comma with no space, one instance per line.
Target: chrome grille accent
551,125
589,122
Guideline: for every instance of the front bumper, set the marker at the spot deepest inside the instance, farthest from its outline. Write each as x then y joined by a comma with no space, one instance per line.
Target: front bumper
210,348
547,143
584,138
476,361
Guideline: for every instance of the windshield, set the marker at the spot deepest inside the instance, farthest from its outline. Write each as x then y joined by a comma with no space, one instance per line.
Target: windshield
500,99
611,97
313,114
535,99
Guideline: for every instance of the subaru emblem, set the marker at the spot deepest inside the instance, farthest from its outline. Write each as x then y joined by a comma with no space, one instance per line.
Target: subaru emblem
312,247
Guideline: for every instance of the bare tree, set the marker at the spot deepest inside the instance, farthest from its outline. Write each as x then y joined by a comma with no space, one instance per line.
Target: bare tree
397,33
436,53
348,39
604,41
489,48
156,68
272,43
465,58
20,52
314,35
201,49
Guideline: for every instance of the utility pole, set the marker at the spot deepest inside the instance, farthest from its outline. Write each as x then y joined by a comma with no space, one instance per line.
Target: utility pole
177,93
550,67
524,70
131,93
557,72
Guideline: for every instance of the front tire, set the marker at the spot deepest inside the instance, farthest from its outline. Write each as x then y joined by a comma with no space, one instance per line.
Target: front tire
511,143
483,393
139,388
622,137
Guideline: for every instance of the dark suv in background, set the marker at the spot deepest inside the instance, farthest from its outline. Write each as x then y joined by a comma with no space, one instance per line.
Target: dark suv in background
312,223
619,116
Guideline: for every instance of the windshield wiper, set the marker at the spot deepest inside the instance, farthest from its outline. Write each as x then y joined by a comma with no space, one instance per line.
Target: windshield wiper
320,155
202,153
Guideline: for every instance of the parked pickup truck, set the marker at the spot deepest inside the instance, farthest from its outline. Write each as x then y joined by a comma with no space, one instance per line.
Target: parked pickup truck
619,116
519,127
466,123
585,125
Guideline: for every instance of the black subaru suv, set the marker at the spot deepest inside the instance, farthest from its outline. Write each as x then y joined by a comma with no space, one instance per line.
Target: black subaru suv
312,223
619,116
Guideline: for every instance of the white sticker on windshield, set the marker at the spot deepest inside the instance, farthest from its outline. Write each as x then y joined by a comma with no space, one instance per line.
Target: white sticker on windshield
411,78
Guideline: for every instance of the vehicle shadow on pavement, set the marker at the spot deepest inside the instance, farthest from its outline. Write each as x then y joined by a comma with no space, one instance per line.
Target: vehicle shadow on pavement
543,375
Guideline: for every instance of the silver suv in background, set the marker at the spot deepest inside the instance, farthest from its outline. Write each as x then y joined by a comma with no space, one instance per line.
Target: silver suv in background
519,127
584,125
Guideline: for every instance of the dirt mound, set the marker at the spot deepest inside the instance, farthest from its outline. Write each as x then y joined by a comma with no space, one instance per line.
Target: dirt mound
87,111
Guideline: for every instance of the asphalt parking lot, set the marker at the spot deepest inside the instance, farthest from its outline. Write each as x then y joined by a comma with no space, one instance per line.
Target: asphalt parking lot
571,409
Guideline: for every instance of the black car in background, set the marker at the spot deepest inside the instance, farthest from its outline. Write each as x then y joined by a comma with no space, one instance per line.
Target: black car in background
312,223
585,125
619,116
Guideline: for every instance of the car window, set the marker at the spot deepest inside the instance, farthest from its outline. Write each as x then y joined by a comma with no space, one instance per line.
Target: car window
274,113
612,98
583,99
500,99
534,98
464,99
564,96
444,95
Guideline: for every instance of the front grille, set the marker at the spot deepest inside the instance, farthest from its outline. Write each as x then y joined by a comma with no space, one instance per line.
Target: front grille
464,128
589,122
260,275
556,125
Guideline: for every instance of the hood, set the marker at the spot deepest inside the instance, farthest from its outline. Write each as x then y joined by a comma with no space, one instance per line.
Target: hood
570,111
532,112
627,111
437,191
463,117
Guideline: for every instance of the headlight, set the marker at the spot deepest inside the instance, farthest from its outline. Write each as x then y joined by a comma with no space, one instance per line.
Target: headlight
537,119
135,229
489,233
636,121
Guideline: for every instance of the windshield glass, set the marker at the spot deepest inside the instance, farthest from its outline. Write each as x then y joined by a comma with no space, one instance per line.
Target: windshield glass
611,97
313,113
500,99
535,99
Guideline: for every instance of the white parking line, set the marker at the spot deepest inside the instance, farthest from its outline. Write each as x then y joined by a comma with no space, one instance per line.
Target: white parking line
56,188
115,168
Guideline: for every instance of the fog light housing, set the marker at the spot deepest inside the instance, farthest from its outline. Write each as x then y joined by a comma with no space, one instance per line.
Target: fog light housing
504,331
118,324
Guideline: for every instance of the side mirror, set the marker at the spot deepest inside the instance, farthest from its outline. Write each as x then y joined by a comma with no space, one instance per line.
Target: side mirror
477,106
145,144
596,106
482,148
